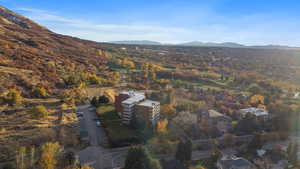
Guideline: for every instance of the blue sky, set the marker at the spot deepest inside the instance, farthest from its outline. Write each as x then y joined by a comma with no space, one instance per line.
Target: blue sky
251,22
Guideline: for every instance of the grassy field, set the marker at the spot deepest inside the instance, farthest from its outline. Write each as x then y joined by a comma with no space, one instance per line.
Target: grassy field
119,134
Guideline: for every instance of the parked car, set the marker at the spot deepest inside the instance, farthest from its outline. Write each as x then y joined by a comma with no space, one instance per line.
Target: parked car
98,123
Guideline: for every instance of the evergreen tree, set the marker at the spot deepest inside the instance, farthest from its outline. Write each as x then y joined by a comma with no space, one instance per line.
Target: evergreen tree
103,100
139,158
94,101
188,150
180,155
184,151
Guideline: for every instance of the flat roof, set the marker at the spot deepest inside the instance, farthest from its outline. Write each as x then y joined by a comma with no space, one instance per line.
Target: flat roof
134,99
148,103
255,111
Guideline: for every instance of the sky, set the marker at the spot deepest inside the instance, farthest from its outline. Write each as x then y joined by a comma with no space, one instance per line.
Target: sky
250,22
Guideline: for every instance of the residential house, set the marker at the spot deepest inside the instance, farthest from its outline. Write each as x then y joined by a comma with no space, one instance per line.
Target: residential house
212,118
259,114
232,162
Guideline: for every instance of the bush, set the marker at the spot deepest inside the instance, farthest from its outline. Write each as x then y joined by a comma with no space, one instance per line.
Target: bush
40,92
40,112
13,97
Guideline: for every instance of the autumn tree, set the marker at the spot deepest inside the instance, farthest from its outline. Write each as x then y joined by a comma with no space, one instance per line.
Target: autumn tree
257,99
198,167
20,158
40,92
161,127
49,156
13,97
167,111
40,112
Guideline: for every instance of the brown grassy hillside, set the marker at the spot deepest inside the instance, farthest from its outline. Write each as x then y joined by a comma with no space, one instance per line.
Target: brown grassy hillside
31,54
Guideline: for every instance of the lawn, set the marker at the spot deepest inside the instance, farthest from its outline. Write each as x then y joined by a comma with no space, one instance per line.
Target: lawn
118,134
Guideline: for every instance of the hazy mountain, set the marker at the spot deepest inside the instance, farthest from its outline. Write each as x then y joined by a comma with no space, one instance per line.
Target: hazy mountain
211,44
136,42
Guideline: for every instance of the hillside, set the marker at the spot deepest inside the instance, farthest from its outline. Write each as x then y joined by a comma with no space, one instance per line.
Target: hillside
31,54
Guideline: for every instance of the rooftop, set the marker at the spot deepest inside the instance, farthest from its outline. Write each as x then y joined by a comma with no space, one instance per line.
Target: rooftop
148,103
255,111
134,97
214,113
236,163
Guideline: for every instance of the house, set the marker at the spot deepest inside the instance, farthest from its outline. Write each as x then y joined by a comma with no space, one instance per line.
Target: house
232,162
260,114
212,118
131,102
272,160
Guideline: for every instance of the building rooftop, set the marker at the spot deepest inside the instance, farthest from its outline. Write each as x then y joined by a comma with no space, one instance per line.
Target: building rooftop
255,111
134,97
214,113
236,163
148,103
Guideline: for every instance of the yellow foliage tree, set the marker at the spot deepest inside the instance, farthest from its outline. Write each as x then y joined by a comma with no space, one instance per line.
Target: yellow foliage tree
199,167
168,111
162,127
49,155
257,99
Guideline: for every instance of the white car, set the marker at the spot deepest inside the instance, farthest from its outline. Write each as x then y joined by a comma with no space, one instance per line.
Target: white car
79,113
98,123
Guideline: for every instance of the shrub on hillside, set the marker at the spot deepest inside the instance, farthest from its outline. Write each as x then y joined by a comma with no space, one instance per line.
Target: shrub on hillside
13,97
40,92
40,112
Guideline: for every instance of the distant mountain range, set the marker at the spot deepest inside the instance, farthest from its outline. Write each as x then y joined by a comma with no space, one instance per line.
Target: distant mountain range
202,44
137,42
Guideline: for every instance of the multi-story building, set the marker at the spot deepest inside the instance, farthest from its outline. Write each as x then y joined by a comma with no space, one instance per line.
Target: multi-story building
129,102
148,111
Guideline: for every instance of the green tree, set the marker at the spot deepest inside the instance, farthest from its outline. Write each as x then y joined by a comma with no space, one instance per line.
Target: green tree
40,112
94,101
103,100
139,158
184,151
256,143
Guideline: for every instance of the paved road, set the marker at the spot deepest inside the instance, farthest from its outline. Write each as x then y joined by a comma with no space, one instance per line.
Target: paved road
96,155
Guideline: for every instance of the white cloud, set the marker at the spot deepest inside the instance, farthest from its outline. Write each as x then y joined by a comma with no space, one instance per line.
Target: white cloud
207,26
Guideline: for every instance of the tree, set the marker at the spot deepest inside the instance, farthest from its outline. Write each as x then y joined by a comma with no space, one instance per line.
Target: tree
257,99
20,158
13,97
184,151
94,101
161,127
228,140
103,100
40,92
40,112
139,158
167,112
199,167
292,153
49,156
256,143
